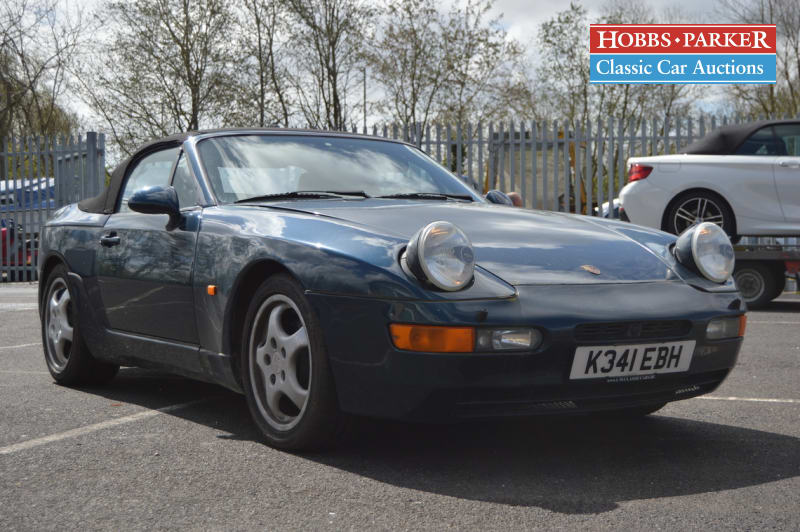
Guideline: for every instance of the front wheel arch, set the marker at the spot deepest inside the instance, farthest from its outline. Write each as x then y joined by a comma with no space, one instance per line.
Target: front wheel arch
689,192
244,287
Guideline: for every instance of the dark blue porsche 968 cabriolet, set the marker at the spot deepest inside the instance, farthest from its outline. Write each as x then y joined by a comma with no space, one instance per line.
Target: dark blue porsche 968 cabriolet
329,275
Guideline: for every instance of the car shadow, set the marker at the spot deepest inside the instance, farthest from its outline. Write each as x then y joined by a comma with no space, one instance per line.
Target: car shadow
783,304
575,465
216,407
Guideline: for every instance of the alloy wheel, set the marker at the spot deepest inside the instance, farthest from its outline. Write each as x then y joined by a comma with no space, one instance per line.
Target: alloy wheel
695,211
58,326
280,362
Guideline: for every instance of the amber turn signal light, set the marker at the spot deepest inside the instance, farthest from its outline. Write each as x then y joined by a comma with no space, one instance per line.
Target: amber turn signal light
432,338
211,289
742,324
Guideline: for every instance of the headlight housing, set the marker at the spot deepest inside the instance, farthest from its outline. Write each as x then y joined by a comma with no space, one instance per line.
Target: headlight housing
441,254
706,249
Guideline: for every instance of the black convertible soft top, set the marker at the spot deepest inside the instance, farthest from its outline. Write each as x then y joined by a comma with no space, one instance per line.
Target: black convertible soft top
727,139
106,201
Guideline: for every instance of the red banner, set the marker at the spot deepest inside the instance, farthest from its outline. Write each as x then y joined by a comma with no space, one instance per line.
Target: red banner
682,38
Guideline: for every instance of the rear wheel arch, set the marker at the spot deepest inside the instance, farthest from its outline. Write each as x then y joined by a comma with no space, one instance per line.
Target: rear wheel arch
244,287
49,265
67,355
688,193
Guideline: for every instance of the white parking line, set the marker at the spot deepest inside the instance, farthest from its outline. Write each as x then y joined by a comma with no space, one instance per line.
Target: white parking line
80,431
19,345
16,307
749,399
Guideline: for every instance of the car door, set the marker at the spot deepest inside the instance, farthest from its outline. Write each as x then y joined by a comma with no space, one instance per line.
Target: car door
787,171
144,267
755,198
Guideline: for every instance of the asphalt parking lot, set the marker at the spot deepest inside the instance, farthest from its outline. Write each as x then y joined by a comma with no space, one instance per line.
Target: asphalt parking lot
154,451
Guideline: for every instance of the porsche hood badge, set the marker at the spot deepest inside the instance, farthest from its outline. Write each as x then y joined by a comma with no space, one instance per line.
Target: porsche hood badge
591,269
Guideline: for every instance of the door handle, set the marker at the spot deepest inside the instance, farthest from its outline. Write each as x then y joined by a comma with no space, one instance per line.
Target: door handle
789,164
109,240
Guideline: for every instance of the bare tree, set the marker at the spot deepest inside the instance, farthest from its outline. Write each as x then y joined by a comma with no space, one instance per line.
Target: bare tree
409,61
783,97
329,44
564,47
264,52
481,67
37,41
169,68
564,66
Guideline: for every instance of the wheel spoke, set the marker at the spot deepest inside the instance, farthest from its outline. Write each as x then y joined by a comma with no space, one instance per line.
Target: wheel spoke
52,332
294,343
686,215
273,396
702,204
274,328
55,303
66,333
261,359
292,389
61,306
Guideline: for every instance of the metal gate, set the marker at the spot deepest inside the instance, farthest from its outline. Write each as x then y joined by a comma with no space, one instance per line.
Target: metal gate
37,176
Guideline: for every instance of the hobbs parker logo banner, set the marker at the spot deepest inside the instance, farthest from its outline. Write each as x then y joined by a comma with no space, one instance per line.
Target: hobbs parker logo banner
682,53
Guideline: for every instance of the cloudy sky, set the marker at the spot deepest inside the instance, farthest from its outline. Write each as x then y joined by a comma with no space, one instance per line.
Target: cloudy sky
522,17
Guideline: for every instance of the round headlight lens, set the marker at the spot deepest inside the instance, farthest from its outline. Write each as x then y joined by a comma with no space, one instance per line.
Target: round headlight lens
708,248
441,254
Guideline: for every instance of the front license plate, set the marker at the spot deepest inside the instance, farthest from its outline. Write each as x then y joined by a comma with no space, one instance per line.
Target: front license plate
629,360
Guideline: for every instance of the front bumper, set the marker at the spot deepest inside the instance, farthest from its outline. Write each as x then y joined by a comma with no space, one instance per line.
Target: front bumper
375,379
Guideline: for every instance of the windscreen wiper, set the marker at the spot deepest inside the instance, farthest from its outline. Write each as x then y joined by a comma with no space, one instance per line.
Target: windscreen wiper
428,196
306,194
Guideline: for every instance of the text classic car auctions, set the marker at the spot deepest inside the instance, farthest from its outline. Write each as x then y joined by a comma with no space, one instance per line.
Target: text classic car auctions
680,53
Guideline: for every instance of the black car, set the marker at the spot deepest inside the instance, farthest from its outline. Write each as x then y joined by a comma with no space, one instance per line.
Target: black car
329,275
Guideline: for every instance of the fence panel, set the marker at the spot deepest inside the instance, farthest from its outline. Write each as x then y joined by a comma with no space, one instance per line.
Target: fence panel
576,167
37,176
567,165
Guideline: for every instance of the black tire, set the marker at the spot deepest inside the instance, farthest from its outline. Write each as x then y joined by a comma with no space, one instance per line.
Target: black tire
318,423
780,282
757,282
69,361
710,205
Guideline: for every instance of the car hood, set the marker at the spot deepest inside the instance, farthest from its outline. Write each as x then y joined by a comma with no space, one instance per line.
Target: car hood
520,246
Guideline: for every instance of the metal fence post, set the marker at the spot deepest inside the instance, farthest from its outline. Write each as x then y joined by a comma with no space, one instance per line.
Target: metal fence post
90,170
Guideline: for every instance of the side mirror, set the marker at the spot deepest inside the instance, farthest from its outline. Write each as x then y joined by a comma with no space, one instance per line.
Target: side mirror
498,197
157,200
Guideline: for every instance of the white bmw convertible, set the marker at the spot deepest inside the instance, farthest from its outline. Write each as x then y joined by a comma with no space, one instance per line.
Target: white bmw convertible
744,178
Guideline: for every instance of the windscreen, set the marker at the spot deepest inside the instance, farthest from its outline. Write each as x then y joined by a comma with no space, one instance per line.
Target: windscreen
247,166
